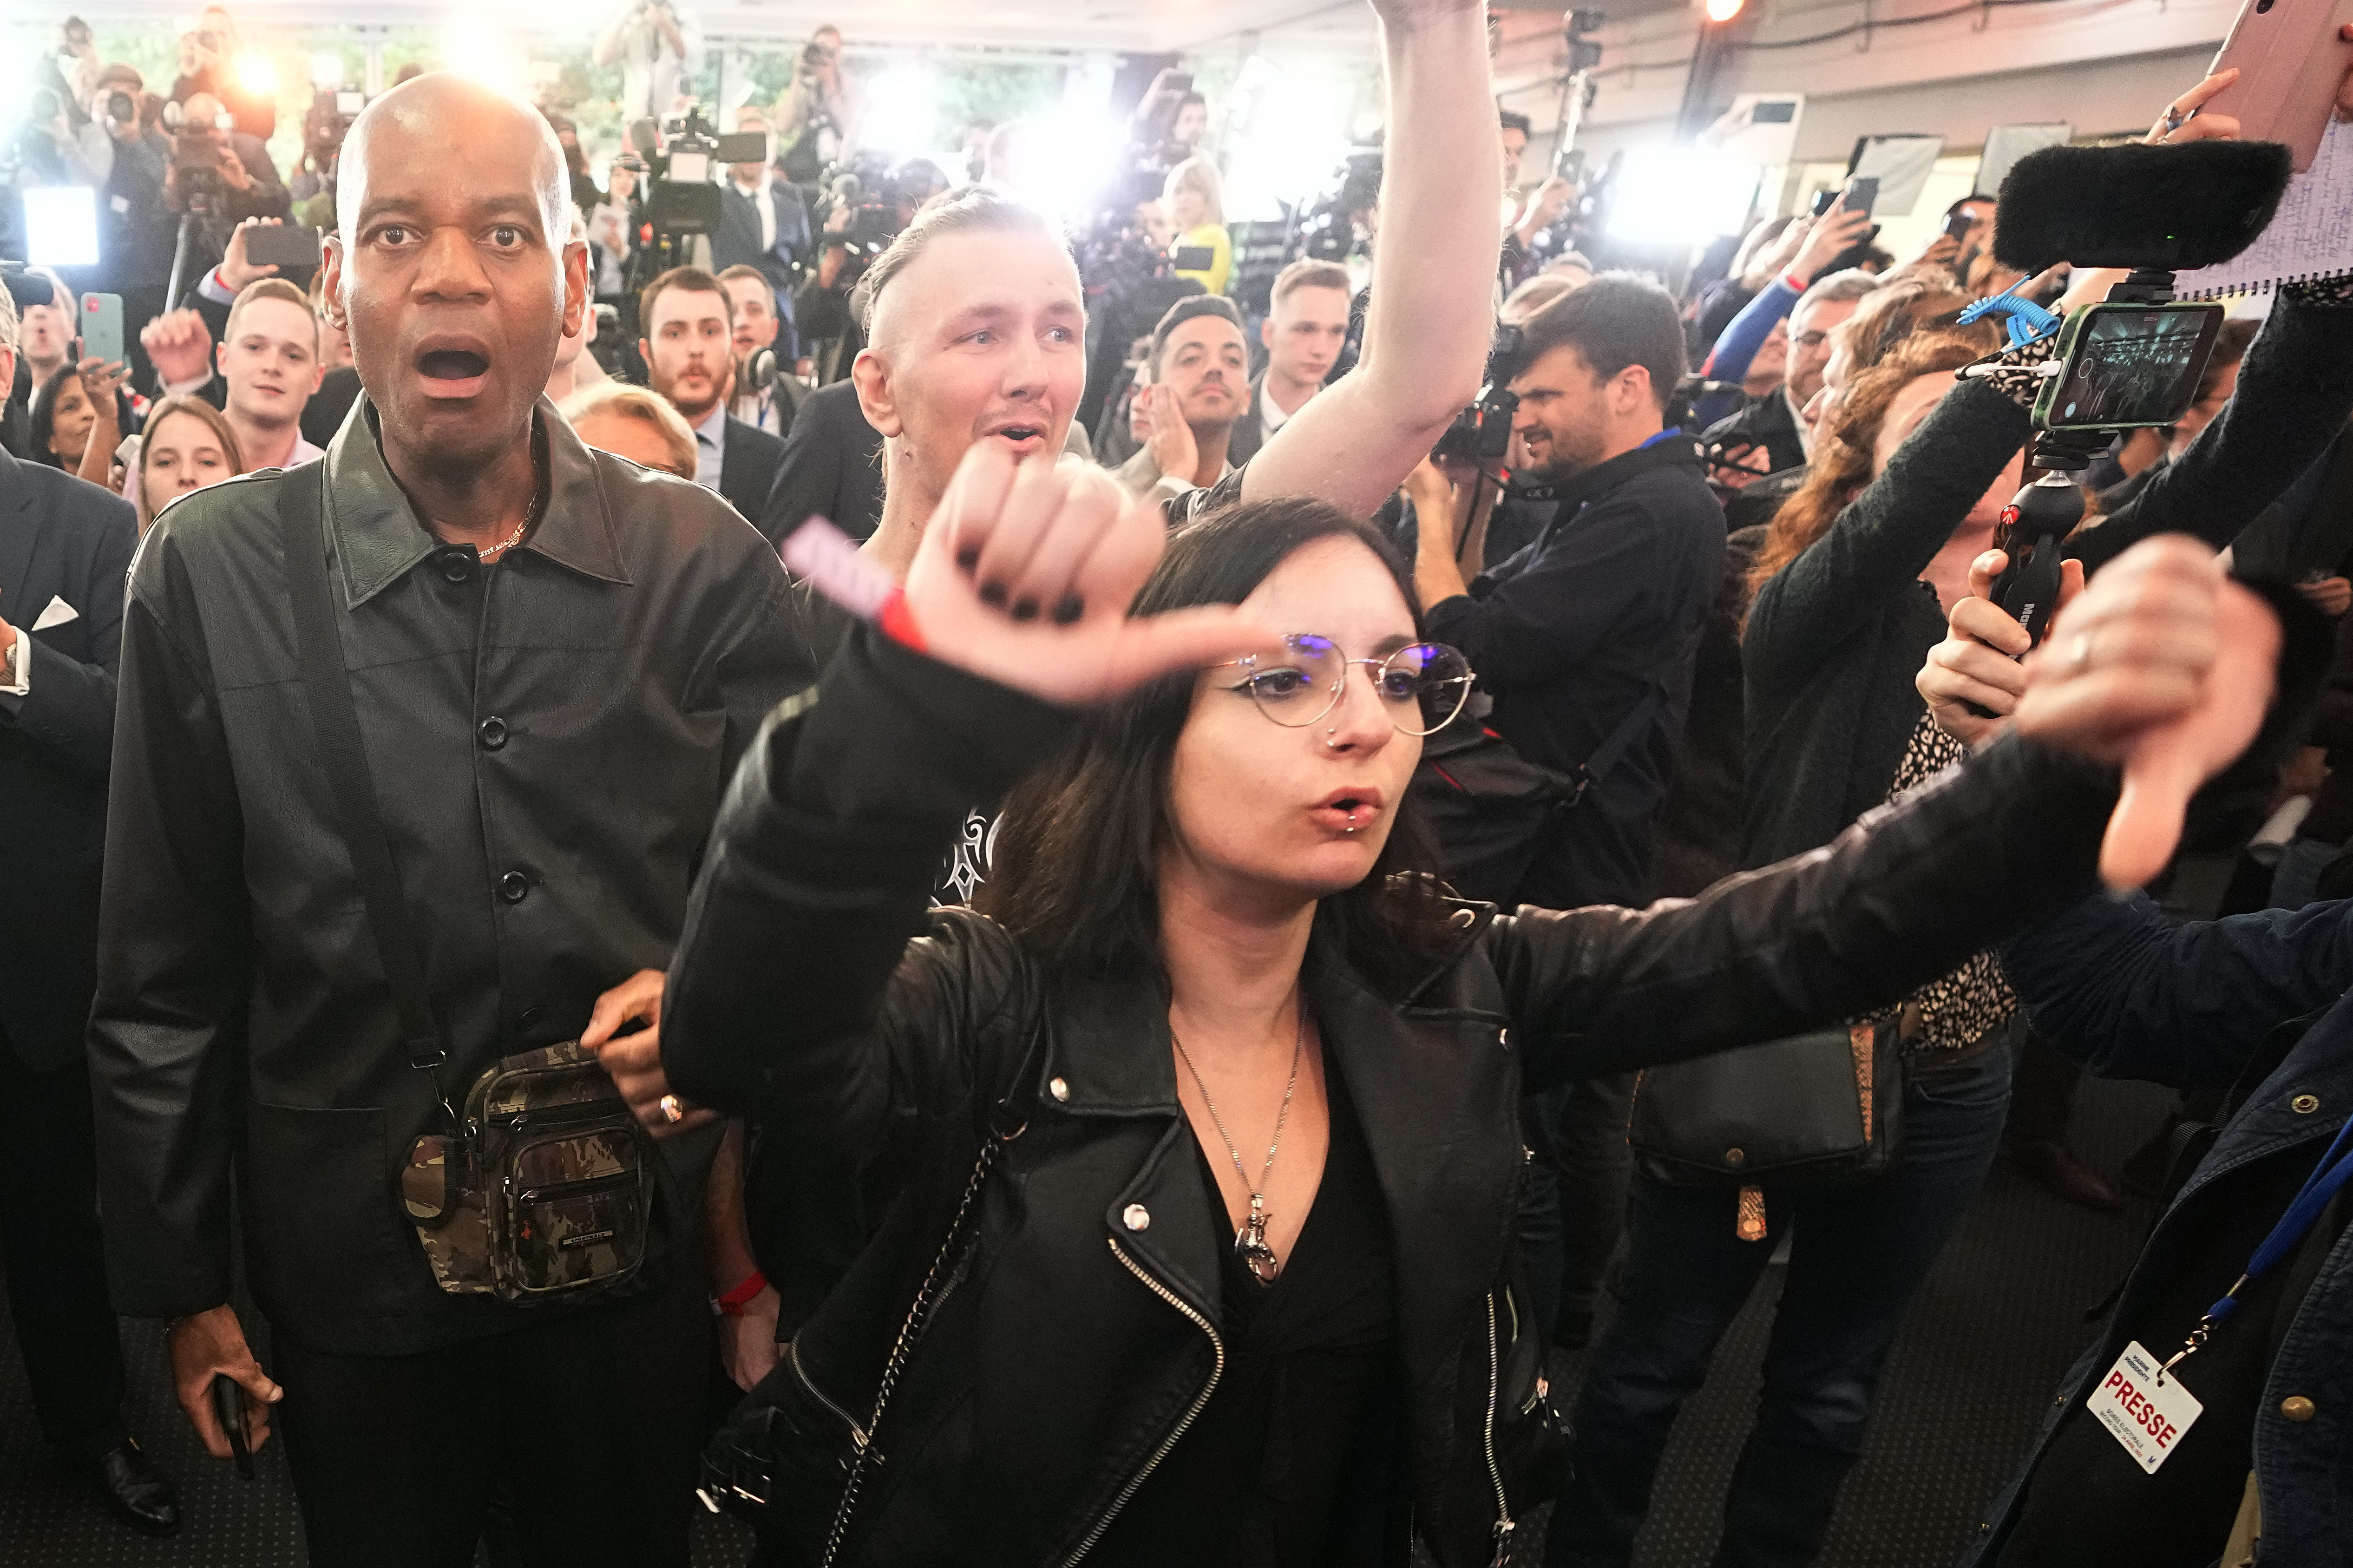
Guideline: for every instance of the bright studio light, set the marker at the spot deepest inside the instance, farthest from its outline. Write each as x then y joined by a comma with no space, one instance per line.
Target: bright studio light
61,225
257,74
902,105
1293,133
327,69
1723,10
1674,197
485,53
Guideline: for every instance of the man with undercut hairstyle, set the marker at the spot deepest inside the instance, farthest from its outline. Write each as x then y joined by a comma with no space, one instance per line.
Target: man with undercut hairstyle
554,658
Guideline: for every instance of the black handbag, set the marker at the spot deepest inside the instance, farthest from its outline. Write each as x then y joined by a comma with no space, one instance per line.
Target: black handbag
1494,812
1820,1110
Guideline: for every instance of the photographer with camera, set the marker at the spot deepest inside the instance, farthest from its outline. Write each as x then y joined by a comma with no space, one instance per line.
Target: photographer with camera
659,48
209,66
816,123
218,177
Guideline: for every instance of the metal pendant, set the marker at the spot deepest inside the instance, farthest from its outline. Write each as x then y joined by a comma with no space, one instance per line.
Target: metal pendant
1251,1241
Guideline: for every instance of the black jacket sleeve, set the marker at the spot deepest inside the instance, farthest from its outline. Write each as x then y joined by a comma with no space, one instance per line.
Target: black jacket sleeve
2294,391
167,1033
822,867
1904,895
1884,538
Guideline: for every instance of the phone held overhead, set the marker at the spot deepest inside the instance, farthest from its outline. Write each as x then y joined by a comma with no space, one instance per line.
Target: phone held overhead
2290,59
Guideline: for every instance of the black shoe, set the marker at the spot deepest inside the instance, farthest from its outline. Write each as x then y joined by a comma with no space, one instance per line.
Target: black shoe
2050,1166
136,1490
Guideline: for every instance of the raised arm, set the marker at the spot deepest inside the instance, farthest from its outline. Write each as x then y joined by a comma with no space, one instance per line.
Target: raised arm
1886,537
2163,667
1432,308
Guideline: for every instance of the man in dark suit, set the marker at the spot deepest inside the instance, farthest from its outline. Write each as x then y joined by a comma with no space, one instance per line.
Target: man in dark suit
65,548
765,224
690,353
831,468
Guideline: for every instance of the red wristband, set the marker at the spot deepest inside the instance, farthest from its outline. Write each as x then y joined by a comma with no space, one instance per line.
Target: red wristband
898,621
732,1305
1790,281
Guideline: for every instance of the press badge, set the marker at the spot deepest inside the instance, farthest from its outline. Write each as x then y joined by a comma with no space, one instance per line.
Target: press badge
2145,1415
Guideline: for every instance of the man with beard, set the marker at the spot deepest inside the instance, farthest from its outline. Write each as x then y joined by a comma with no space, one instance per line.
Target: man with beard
688,323
1199,367
554,659
1586,643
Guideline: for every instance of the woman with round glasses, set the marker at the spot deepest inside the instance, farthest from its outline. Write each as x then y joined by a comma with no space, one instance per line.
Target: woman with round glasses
1230,1283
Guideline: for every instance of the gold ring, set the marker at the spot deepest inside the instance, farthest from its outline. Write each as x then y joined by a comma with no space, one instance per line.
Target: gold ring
671,1110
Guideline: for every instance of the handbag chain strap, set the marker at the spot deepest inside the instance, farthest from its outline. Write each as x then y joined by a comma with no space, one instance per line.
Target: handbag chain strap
1006,1124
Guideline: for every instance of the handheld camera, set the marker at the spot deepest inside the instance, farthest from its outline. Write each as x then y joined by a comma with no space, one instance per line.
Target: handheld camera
1482,431
2136,360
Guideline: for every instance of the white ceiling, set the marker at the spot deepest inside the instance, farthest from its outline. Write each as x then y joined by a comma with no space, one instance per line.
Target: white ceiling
1338,26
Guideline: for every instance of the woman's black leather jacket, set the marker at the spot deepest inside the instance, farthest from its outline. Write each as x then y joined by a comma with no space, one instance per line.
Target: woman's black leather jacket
1080,1334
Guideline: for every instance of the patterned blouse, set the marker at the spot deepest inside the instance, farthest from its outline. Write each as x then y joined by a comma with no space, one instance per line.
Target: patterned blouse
1957,1011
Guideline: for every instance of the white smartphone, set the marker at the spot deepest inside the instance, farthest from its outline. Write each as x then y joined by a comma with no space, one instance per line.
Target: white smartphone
2290,62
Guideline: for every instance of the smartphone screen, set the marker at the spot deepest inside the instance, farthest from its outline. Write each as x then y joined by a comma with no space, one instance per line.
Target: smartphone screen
282,247
1862,193
2131,366
1194,257
1822,200
1957,226
101,327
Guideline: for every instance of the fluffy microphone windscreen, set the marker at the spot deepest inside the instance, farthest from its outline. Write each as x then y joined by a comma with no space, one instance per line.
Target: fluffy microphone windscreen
2167,207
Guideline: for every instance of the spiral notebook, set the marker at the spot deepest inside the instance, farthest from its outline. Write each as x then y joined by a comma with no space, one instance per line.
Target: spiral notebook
2311,236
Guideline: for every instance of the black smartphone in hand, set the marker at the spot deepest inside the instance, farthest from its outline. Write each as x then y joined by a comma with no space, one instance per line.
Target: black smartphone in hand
229,1409
1862,193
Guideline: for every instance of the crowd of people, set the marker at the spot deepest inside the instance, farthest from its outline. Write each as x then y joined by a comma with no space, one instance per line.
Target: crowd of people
1088,1075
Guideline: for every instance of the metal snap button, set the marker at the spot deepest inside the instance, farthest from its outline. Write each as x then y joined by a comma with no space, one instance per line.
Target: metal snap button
1058,1089
2295,1407
1504,1038
1734,1156
530,1016
515,887
2305,1105
492,733
455,562
1136,1218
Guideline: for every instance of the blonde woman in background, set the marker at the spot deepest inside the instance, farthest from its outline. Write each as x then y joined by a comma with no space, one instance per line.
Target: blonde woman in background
1194,198
631,422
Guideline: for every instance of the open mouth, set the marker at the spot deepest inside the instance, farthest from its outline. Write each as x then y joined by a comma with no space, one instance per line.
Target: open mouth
452,365
1021,436
1348,811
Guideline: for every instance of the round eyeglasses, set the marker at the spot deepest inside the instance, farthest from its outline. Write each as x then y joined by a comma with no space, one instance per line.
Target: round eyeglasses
1422,687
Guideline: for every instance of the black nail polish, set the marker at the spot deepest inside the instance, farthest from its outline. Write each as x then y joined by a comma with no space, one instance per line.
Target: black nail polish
993,595
969,557
1025,610
1072,608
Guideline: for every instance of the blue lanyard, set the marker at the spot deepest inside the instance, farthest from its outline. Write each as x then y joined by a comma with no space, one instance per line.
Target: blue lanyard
2336,1167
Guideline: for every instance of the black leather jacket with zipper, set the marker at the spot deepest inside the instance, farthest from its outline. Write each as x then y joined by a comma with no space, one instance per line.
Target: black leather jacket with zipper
1079,1336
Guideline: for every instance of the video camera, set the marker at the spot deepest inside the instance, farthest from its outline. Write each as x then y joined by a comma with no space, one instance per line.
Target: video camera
684,159
1482,432
2135,360
1327,228
196,156
874,195
329,119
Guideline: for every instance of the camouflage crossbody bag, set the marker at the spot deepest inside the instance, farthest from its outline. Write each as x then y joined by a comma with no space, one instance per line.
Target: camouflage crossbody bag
542,1189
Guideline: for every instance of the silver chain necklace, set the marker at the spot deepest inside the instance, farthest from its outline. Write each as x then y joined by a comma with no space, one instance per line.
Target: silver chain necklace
1250,1240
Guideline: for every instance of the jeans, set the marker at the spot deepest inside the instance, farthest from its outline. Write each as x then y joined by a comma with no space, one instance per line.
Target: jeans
1858,1254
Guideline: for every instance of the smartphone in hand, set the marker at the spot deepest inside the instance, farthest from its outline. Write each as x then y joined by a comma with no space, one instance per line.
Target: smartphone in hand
101,327
1862,193
229,1409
